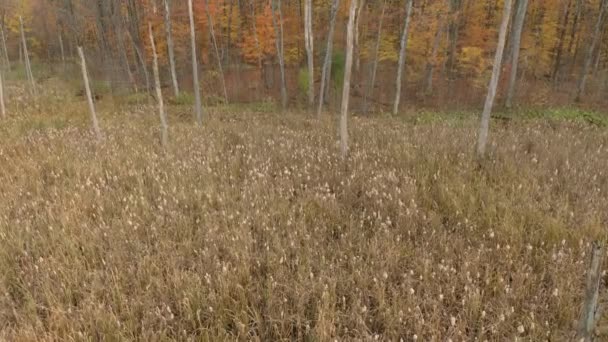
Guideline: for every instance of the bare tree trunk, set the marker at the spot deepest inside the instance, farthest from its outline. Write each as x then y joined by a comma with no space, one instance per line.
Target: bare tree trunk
142,61
326,73
347,71
198,107
487,109
278,29
217,53
308,40
560,42
404,38
580,89
170,51
28,66
159,93
356,48
8,61
430,64
2,107
589,312
518,24
87,88
372,83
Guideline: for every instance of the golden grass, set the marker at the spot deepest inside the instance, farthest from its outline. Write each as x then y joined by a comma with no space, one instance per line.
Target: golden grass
252,228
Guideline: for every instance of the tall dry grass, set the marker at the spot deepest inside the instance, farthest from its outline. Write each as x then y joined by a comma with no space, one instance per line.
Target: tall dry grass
252,228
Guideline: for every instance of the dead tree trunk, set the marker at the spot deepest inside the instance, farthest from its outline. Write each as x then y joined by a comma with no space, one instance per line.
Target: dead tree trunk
487,109
589,312
404,38
559,47
326,73
278,29
350,32
28,66
87,89
4,50
61,49
518,24
217,53
159,93
430,64
580,89
372,83
170,50
309,45
142,61
198,107
257,42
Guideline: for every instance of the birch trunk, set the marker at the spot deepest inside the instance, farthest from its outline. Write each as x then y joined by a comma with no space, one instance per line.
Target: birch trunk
404,38
28,66
61,49
309,45
217,53
372,83
87,88
257,44
487,109
326,72
430,66
170,51
197,91
159,93
5,51
278,29
580,89
347,71
518,23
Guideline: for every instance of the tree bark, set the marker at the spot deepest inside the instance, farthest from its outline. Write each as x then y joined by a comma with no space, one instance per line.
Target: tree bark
580,89
159,93
198,109
326,73
278,29
347,73
404,39
142,61
487,109
560,43
453,28
87,88
372,83
309,44
217,53
61,49
28,66
170,51
518,25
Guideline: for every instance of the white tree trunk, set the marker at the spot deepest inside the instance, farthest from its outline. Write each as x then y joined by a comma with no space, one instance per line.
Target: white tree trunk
28,66
198,107
2,107
87,88
520,18
372,83
170,50
61,49
159,93
487,109
580,89
278,29
309,44
4,50
325,73
217,53
404,39
350,33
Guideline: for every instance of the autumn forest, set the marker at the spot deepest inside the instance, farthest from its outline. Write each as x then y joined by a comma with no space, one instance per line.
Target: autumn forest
303,170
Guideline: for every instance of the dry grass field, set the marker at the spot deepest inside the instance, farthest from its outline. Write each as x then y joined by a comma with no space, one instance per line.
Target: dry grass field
253,228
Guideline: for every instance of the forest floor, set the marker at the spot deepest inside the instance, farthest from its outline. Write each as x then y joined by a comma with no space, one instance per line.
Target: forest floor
252,227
